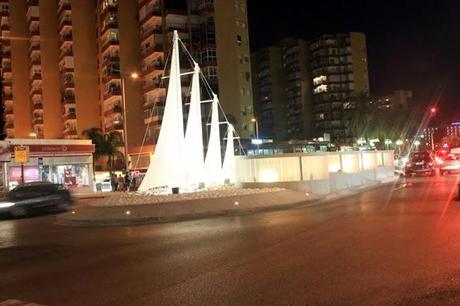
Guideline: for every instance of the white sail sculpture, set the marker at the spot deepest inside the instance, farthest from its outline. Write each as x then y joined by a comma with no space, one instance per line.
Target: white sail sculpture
229,167
179,160
167,164
213,161
194,134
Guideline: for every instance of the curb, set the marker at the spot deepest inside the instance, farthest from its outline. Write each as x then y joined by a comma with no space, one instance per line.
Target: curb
220,213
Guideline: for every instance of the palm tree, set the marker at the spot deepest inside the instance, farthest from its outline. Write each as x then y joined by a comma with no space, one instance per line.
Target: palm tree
105,145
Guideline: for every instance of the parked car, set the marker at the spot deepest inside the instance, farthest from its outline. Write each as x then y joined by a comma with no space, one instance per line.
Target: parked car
420,163
450,163
30,197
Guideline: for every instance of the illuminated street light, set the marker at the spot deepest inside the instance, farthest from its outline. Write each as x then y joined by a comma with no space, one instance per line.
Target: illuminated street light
33,135
399,142
134,75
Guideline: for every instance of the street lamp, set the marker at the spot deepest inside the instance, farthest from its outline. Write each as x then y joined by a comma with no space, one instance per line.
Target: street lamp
33,135
133,76
257,127
433,111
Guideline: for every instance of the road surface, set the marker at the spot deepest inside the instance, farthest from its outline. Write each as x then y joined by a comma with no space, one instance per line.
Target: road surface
398,244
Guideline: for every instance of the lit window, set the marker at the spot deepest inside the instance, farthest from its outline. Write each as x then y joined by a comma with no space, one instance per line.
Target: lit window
239,39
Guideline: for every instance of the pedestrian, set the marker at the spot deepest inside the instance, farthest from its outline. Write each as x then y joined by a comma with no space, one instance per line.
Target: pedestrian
121,183
113,181
127,182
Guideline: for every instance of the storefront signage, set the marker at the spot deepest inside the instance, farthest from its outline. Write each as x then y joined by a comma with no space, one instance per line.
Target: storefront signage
58,149
21,154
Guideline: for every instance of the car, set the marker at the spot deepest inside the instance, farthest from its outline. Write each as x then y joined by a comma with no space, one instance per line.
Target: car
36,196
450,163
420,163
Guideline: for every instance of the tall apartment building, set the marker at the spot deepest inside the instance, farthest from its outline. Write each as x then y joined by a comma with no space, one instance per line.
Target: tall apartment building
282,90
72,61
339,72
216,33
269,93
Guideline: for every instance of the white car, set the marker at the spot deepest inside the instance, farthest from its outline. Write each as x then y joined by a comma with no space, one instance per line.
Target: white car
451,163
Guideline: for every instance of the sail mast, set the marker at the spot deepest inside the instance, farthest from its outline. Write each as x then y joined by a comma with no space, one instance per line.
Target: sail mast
167,164
213,161
228,168
194,134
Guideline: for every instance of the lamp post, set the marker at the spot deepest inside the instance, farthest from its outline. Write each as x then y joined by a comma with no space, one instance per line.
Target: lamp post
257,127
134,76
257,132
433,111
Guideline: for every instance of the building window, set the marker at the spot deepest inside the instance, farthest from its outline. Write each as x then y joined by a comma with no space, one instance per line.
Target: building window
239,39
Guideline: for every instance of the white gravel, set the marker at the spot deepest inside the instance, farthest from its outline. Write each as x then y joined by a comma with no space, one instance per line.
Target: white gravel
138,198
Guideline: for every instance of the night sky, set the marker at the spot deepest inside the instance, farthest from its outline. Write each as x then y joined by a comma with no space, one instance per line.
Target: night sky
411,44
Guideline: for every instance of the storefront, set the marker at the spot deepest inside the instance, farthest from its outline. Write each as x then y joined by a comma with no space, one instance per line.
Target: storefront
67,162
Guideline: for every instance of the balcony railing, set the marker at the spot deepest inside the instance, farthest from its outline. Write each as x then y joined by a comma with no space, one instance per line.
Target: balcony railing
154,48
152,11
69,116
9,125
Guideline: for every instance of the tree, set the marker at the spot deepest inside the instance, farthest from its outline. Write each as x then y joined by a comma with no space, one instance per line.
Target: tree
106,145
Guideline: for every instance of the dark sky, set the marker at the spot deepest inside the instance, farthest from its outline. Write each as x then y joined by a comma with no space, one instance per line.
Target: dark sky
411,44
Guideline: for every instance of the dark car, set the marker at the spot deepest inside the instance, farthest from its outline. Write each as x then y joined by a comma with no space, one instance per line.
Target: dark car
420,163
37,196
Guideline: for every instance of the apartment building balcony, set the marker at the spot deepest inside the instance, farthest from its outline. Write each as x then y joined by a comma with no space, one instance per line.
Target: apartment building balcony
68,84
5,27
64,7
37,120
36,77
72,131
114,91
36,61
5,54
158,101
9,125
34,47
114,126
158,30
151,86
68,99
7,96
66,37
7,83
109,25
110,59
109,42
35,91
8,111
4,13
153,120
111,76
69,116
108,9
6,68
116,109
152,11
37,106
152,49
65,22
153,66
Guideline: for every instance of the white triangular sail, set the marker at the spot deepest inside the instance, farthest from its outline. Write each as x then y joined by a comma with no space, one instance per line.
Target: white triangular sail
167,164
228,169
194,134
213,161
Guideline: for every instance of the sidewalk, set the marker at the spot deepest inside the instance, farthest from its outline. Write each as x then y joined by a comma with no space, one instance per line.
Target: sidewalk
200,208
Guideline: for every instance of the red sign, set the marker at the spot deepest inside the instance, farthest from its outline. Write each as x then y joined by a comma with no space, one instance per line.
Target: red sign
58,149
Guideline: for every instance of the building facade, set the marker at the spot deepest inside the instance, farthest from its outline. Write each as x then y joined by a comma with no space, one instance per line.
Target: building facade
282,90
74,60
339,72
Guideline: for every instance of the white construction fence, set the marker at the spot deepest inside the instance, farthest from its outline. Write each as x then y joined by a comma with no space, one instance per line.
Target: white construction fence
320,173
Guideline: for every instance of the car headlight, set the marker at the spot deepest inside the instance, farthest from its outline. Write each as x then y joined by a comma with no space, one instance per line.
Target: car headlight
6,204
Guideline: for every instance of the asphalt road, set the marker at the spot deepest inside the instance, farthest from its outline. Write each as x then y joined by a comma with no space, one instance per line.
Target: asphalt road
398,244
